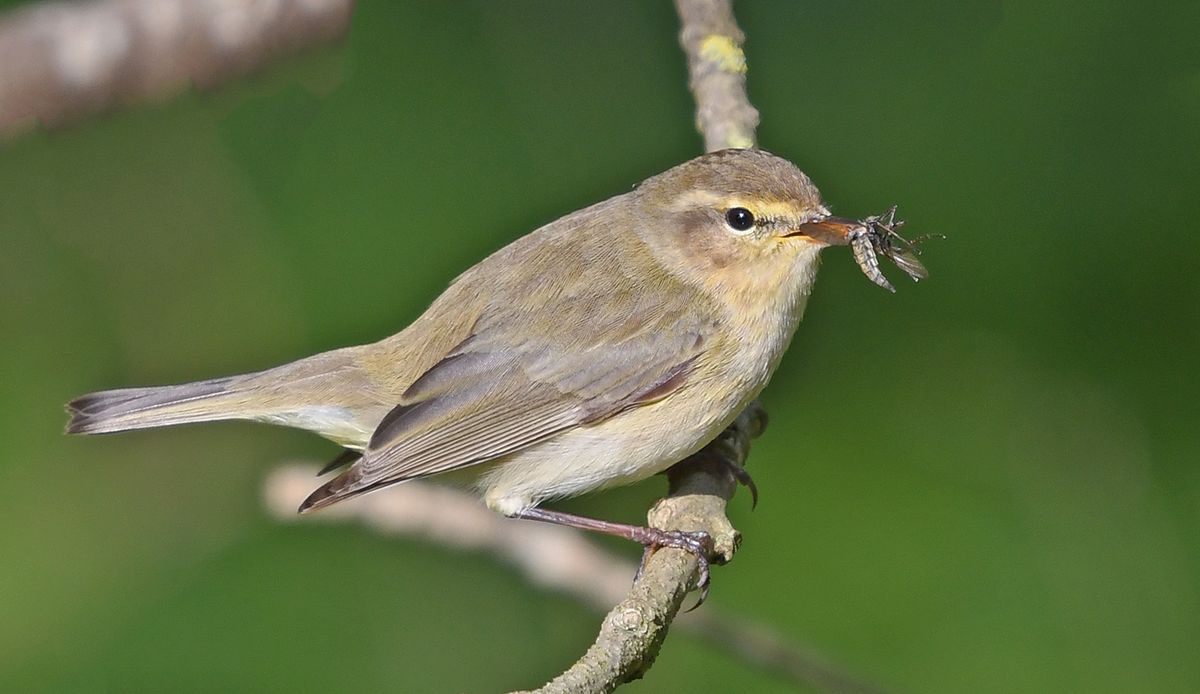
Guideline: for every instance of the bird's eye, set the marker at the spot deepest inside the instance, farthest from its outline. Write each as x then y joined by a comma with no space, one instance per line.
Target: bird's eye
739,219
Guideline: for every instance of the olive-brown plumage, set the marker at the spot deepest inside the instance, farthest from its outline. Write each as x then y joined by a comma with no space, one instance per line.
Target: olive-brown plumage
595,351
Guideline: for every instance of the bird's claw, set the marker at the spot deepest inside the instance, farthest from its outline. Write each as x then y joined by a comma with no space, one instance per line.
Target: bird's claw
742,477
697,542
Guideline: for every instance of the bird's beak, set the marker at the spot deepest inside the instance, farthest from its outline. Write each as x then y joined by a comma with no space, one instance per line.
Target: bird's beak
829,231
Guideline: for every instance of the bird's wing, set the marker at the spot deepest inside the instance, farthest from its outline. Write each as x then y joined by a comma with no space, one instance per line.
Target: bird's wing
528,370
493,403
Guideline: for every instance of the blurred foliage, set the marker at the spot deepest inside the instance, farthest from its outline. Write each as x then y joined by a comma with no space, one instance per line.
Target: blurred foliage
985,483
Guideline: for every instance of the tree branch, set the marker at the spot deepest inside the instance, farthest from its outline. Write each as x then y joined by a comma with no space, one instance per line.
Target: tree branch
61,61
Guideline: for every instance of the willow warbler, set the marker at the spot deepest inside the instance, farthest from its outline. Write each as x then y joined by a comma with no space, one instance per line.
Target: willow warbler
595,351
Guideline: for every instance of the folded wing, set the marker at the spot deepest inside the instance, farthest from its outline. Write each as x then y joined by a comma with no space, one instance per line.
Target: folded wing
507,387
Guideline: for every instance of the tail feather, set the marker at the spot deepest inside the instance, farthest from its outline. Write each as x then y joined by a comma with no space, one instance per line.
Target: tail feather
141,408
327,393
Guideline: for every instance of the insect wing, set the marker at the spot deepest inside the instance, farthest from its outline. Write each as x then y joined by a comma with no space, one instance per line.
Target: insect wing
906,259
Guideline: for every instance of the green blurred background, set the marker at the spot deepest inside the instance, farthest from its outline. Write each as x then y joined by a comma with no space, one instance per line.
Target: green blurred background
985,483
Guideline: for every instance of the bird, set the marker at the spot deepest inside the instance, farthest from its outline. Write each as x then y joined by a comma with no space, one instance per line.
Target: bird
595,351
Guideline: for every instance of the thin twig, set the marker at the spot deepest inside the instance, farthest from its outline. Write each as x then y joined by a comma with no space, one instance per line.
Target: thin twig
717,73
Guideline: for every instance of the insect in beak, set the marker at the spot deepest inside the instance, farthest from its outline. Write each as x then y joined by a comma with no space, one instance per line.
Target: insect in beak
876,236
869,238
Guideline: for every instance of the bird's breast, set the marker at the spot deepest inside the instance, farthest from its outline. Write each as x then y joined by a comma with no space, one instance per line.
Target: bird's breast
760,328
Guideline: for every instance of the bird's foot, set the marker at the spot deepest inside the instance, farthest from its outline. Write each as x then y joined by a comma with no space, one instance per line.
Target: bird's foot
698,542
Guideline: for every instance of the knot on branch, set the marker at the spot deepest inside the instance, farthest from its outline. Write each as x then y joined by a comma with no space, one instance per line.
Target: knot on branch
633,619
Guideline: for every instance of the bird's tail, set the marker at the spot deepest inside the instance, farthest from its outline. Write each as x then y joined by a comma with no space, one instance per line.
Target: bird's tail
327,393
110,411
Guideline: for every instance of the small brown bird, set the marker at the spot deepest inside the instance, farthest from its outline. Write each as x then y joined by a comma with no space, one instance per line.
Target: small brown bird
596,351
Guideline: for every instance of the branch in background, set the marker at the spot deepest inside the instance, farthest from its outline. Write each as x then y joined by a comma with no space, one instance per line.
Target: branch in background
553,557
61,61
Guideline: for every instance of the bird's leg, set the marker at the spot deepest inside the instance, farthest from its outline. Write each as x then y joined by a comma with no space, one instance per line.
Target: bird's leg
699,543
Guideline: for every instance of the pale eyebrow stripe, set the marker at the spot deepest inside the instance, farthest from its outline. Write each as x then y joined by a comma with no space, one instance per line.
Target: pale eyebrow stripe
771,209
697,198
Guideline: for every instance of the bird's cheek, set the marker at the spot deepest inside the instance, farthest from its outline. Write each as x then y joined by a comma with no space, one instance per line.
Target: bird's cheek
705,243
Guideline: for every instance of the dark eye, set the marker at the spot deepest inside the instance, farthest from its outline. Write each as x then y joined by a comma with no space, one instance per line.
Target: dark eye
739,218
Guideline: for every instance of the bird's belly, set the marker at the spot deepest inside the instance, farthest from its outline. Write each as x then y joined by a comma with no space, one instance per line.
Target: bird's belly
629,447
